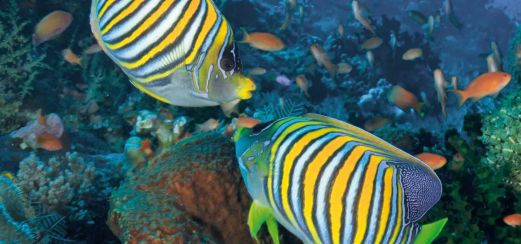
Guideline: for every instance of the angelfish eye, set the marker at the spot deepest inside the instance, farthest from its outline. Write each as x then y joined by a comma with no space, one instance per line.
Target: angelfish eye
227,64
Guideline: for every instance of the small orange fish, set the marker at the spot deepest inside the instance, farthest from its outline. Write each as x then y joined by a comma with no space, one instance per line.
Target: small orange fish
440,84
263,41
434,161
49,142
412,54
344,68
513,220
51,26
322,59
146,148
485,85
71,57
209,125
372,43
247,122
303,84
376,123
359,15
257,71
404,99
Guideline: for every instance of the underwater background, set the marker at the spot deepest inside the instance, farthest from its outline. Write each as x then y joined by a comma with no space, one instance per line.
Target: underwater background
86,157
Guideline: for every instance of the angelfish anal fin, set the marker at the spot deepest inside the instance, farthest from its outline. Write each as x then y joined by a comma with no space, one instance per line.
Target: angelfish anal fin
259,215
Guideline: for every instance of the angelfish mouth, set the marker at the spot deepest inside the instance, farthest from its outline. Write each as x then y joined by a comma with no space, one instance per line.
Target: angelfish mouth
246,89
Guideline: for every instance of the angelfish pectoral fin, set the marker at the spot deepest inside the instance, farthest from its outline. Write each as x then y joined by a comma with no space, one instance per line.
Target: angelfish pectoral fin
259,215
430,231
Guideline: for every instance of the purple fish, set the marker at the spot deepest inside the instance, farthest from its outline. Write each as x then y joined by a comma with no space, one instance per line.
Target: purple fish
283,80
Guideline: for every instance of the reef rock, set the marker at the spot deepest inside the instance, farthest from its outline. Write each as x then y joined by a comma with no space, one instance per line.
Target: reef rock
191,193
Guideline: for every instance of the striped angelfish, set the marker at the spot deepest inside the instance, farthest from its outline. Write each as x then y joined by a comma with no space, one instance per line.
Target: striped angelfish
180,52
330,182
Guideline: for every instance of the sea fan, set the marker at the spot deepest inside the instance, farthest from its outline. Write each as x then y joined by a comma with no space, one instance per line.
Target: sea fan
282,109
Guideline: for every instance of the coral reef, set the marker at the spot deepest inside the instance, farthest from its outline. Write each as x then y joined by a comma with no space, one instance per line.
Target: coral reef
198,178
515,55
17,68
501,130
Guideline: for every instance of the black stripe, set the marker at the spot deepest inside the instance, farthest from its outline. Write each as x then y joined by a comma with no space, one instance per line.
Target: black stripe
292,172
114,15
130,32
169,48
283,160
357,196
158,40
370,213
320,175
200,27
379,212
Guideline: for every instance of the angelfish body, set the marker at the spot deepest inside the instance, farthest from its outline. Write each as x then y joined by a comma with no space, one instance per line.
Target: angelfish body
329,182
178,51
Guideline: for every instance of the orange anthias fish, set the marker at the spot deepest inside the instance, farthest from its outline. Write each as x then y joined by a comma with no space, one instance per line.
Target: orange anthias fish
513,220
322,59
247,122
71,57
49,142
372,43
412,54
376,123
359,15
51,26
303,84
209,125
263,41
440,84
404,99
484,85
434,161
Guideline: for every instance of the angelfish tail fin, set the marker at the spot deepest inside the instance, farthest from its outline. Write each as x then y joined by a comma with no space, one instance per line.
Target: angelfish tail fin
430,231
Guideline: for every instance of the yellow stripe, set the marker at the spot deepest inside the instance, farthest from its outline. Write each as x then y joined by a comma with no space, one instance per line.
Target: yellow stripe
386,204
148,92
289,161
398,226
144,26
366,197
336,201
208,23
107,5
127,11
274,149
310,181
174,35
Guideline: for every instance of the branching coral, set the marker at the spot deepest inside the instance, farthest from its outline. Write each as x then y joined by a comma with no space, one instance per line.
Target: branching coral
54,184
17,69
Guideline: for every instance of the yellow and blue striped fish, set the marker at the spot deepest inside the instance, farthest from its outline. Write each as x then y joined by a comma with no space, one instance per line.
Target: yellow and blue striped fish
180,52
329,182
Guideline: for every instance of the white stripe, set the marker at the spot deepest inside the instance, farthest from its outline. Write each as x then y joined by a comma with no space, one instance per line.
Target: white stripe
393,213
135,48
277,167
223,48
325,182
179,52
377,197
350,215
298,169
131,24
111,11
202,52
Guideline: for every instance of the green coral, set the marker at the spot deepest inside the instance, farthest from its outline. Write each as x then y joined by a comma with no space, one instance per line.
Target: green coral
502,135
18,69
